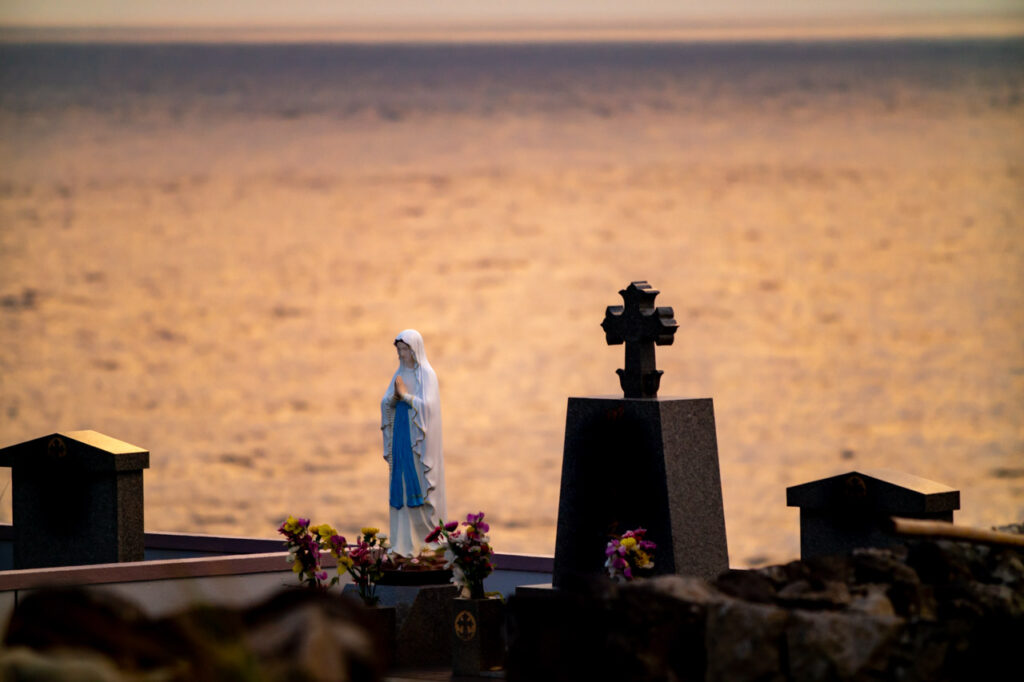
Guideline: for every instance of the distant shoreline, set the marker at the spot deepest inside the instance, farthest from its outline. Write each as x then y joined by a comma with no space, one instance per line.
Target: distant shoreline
997,27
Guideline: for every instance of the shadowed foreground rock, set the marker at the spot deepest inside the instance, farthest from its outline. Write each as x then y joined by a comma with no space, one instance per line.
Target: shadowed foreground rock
93,635
929,610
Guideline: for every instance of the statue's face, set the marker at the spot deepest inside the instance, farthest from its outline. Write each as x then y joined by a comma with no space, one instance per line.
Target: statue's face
405,355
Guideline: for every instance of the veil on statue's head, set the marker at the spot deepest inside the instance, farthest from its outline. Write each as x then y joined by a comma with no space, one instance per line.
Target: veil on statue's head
425,374
414,340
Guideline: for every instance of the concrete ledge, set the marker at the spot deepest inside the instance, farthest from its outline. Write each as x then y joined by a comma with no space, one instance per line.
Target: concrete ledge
527,563
137,571
192,542
272,562
229,556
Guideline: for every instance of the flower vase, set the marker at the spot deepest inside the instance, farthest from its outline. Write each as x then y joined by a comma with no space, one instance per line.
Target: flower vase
478,635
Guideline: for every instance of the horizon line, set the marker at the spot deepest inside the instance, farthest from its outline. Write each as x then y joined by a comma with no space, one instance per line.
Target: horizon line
1008,26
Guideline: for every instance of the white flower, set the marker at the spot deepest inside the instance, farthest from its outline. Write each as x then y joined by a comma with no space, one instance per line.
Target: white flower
458,577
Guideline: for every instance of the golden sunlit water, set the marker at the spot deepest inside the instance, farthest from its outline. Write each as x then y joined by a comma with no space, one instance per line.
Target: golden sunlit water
206,251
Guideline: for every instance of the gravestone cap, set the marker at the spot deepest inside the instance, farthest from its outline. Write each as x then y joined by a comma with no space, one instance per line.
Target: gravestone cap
75,451
877,490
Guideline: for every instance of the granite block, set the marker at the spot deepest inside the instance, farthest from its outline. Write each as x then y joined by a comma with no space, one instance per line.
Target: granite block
77,499
650,463
854,510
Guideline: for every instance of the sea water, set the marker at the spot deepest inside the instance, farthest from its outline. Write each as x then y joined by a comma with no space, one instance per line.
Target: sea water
206,250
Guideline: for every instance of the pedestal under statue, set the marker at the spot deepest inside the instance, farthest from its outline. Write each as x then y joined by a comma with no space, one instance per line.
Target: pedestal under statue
411,424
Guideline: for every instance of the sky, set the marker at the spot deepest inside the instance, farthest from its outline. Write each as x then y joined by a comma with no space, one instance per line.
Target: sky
243,13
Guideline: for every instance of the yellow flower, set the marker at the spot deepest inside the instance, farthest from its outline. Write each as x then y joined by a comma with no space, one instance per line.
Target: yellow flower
641,558
297,566
325,530
345,561
369,531
628,543
292,524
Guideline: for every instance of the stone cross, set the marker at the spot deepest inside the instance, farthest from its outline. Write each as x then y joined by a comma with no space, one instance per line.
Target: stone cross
640,326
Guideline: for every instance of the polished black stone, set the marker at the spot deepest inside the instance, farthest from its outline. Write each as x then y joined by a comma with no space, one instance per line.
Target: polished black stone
76,499
650,463
853,510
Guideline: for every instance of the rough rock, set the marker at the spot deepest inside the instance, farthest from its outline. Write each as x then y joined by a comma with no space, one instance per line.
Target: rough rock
744,642
295,635
822,645
819,594
930,610
872,599
747,585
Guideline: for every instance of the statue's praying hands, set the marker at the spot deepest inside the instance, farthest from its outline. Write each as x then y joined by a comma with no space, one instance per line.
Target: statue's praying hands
400,388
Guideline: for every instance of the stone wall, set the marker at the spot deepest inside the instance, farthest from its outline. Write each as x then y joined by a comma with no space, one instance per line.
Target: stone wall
927,610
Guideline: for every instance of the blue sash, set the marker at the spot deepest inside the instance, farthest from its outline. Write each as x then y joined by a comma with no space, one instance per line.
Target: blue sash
403,468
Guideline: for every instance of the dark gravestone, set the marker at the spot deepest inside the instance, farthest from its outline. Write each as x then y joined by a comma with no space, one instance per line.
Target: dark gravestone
423,627
852,510
77,499
478,636
640,461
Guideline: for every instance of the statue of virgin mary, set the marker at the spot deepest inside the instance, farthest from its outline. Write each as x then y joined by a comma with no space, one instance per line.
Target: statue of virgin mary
411,422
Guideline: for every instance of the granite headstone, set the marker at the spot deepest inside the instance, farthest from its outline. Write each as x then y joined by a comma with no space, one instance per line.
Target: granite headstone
76,499
640,461
853,510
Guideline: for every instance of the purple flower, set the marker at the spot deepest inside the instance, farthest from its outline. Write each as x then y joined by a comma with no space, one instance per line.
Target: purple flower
451,525
434,535
474,519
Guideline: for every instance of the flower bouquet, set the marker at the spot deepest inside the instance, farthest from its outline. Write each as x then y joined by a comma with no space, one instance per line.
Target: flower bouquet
304,546
467,551
627,554
364,561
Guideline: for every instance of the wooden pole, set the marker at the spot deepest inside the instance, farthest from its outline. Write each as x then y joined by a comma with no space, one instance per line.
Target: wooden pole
942,529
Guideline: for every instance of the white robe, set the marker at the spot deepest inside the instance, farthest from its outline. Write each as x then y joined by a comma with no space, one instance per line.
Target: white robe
410,525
